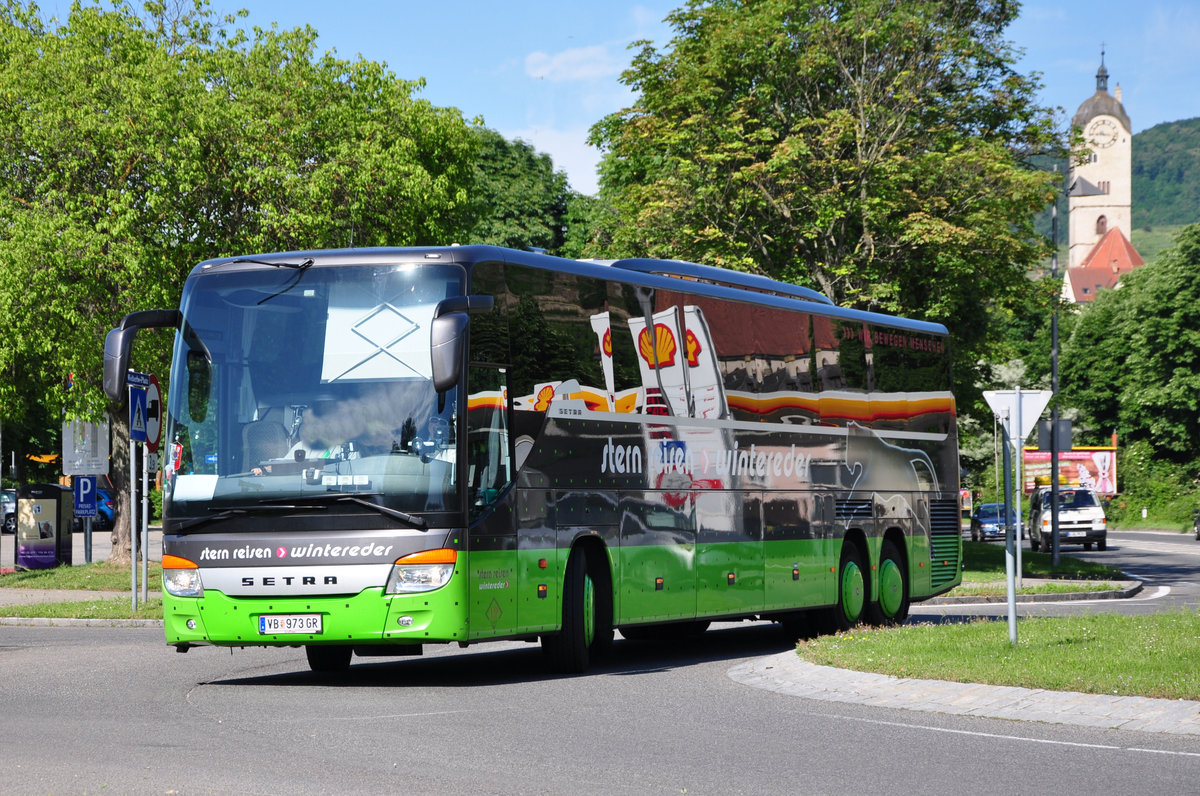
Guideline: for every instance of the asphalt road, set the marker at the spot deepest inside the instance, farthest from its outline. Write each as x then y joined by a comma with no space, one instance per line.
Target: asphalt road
114,709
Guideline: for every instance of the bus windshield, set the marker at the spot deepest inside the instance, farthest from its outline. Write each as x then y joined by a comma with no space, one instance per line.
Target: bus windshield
300,383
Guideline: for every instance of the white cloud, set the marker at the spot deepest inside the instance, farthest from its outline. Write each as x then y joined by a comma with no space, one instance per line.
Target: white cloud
577,64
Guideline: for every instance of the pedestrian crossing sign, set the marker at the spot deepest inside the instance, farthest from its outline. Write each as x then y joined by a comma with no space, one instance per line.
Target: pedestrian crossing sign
137,413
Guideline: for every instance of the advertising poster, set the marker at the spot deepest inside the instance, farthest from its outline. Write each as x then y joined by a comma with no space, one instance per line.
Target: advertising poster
36,526
1095,468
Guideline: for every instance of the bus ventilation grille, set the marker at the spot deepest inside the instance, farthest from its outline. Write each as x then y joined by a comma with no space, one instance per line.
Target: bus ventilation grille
852,512
946,541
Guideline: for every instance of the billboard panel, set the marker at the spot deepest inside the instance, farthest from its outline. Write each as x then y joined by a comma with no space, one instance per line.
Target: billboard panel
1095,468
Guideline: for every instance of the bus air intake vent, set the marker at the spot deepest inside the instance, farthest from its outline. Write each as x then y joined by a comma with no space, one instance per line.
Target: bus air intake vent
945,541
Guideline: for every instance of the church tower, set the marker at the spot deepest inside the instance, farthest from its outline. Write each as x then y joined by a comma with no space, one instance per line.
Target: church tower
1100,192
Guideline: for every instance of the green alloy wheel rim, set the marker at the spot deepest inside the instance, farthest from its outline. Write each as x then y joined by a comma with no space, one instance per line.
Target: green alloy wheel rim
891,588
589,611
852,592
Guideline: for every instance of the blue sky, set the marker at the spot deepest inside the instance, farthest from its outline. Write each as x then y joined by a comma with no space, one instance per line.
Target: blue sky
546,70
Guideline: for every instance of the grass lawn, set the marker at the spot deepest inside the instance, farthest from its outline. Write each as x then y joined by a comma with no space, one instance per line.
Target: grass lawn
1099,653
97,576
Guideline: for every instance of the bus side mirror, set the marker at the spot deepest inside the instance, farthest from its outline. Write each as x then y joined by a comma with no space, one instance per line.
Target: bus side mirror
448,338
447,347
119,340
116,361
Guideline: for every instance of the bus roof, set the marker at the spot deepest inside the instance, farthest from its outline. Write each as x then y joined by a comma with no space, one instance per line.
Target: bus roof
662,274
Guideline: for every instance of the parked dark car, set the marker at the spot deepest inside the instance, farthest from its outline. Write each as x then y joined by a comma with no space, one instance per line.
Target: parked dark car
986,522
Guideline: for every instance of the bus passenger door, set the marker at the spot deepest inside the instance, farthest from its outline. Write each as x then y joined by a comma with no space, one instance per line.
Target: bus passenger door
658,559
491,535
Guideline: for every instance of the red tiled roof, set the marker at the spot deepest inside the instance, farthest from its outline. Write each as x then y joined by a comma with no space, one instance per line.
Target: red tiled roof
1112,257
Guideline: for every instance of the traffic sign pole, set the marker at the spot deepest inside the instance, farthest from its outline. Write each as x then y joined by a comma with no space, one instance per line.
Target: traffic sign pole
133,545
145,527
1009,544
1018,411
145,425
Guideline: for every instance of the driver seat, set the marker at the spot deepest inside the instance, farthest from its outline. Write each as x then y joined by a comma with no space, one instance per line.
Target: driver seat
263,440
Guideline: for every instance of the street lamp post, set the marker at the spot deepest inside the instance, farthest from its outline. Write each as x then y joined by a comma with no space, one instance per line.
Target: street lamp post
1054,388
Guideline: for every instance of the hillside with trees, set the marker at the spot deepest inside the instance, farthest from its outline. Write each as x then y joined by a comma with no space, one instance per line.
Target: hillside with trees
1166,174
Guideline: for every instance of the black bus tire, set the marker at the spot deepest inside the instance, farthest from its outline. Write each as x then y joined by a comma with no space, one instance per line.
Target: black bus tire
583,626
328,659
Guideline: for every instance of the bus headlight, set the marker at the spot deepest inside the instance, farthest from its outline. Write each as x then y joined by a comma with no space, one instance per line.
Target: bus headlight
426,571
181,578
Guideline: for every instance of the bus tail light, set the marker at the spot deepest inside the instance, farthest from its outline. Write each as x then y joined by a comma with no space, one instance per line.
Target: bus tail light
420,572
181,577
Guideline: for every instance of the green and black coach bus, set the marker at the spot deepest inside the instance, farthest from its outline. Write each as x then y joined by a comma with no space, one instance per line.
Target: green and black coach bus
372,450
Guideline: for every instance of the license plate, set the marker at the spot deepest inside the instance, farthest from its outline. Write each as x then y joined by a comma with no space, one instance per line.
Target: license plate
277,624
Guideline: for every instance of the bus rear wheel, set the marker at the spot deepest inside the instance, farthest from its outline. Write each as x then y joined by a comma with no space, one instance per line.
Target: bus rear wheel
852,592
892,607
586,620
328,660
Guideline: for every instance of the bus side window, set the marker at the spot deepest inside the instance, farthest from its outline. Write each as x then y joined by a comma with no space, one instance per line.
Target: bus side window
489,457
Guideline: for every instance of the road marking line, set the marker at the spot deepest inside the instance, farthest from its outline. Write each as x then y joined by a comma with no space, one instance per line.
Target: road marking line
977,734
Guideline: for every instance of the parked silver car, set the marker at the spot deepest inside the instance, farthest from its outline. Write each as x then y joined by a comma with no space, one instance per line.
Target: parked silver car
8,509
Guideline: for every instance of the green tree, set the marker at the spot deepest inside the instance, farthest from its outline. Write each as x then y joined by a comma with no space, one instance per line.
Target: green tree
519,200
133,145
1132,362
874,149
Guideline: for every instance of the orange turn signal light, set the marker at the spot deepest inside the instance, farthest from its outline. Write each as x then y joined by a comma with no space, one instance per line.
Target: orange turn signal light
444,555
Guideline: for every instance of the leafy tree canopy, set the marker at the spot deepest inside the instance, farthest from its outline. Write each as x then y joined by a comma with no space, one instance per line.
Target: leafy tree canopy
874,149
519,199
1132,361
135,144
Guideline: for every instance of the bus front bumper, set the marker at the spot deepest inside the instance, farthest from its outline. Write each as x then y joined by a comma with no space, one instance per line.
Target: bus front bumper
368,618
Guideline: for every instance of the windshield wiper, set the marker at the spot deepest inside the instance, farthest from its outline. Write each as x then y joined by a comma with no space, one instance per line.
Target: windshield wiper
337,497
225,512
300,268
220,515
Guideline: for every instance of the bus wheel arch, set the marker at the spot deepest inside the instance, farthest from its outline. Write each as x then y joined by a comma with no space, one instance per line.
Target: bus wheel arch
893,584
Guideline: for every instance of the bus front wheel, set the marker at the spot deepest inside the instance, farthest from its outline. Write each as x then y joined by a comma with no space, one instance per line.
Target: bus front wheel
586,620
328,660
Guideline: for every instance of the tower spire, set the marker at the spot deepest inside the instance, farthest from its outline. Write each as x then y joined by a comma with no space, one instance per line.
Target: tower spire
1102,74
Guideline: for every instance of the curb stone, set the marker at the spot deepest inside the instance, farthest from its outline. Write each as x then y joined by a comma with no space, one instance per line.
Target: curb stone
787,673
